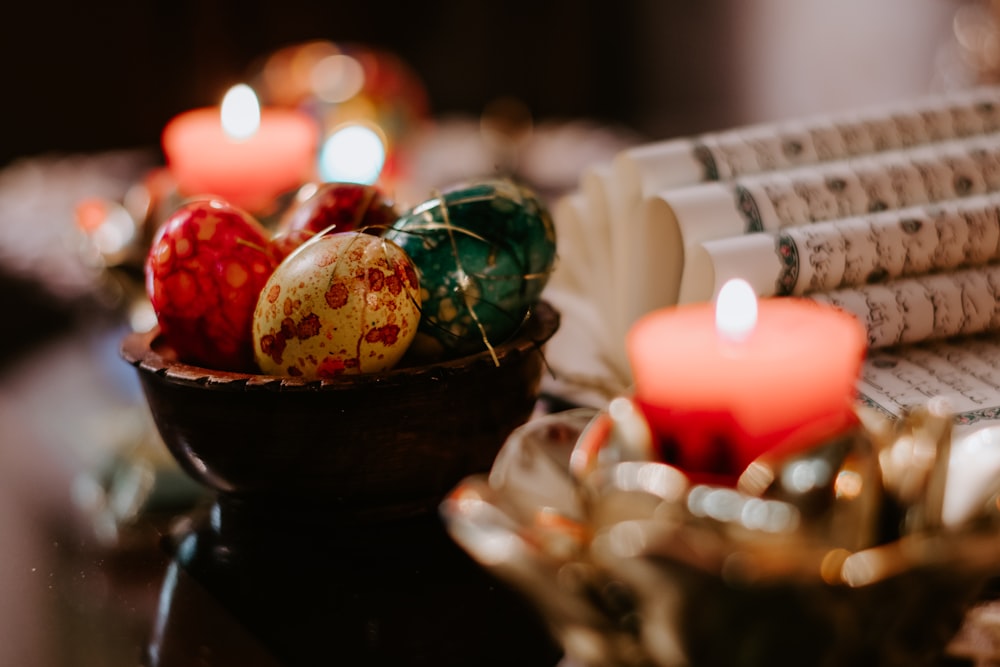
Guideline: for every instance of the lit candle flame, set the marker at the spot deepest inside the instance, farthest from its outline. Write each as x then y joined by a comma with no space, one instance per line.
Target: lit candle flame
352,154
736,310
240,112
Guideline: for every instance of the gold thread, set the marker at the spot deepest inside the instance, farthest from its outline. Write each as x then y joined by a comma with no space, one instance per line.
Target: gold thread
462,274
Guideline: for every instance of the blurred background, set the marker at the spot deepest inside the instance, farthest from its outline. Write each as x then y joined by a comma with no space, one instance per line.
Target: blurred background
88,88
94,76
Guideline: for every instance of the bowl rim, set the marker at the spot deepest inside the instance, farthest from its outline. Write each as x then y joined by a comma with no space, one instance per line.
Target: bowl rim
138,349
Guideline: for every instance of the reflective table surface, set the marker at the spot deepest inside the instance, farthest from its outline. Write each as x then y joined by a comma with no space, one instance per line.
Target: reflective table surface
87,579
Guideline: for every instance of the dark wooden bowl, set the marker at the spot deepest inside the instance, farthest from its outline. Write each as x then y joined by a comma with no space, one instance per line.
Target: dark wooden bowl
386,444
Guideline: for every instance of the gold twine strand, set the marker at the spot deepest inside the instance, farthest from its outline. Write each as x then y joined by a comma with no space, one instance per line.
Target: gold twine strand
463,275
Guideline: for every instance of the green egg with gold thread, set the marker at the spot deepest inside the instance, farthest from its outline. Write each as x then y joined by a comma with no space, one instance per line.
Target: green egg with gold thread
484,251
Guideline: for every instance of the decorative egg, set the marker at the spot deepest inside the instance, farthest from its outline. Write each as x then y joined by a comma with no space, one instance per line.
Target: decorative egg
341,304
285,242
483,252
204,271
333,208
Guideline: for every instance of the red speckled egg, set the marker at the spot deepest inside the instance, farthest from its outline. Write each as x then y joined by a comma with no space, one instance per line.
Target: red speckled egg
204,272
335,208
342,304
284,242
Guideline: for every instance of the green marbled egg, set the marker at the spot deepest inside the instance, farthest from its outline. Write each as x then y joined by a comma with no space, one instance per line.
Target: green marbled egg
484,257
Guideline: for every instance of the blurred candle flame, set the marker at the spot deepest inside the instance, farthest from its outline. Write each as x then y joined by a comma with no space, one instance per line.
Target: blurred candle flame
240,112
736,310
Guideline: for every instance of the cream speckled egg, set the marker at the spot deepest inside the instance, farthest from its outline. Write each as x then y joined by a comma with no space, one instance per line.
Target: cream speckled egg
343,303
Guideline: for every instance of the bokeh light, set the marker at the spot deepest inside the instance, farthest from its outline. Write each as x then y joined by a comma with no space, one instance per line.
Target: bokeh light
352,154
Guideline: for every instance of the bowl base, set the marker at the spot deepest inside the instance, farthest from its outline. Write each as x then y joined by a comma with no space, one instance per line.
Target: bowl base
399,592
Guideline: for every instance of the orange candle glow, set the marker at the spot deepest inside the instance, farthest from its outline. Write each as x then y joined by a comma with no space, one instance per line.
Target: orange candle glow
240,152
721,385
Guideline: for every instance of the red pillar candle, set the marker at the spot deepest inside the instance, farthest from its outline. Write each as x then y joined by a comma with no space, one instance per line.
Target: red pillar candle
209,153
717,397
